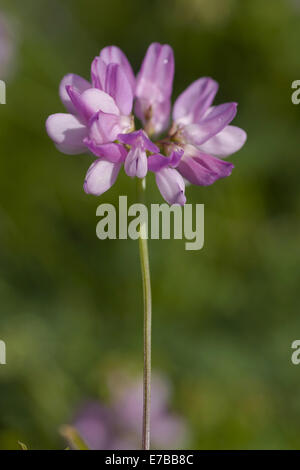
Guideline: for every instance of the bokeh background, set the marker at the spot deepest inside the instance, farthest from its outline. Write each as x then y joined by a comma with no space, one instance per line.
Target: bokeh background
224,318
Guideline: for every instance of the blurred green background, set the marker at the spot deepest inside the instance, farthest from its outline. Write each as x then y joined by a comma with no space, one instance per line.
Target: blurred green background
224,318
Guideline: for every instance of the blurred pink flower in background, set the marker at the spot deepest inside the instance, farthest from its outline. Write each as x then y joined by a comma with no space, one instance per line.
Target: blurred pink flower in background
118,426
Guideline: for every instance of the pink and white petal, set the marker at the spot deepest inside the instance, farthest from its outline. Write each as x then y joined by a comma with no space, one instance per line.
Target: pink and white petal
91,101
165,70
69,149
97,100
202,107
228,141
220,167
101,176
104,127
202,91
118,86
215,121
98,73
110,125
146,75
95,133
67,132
195,173
115,153
136,163
155,78
113,54
175,156
78,83
157,161
161,116
138,139
223,112
171,186
203,169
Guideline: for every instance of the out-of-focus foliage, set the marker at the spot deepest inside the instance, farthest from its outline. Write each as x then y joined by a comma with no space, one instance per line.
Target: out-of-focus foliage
224,317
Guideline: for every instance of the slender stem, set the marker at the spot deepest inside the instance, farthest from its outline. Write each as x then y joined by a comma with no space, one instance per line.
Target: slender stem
144,256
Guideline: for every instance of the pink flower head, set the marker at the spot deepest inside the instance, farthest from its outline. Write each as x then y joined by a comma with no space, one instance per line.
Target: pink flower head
100,120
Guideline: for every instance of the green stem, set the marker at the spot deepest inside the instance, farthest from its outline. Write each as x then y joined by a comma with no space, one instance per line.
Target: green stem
144,256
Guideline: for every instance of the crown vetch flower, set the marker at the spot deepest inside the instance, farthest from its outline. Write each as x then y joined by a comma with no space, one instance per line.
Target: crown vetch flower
100,121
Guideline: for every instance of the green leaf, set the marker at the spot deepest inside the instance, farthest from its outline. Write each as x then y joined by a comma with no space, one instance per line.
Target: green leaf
73,438
23,446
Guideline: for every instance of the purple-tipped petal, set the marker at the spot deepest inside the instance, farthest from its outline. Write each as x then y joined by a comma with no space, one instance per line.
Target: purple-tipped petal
228,141
154,87
100,177
136,163
175,156
118,86
171,186
224,113
67,132
104,127
195,100
157,161
98,73
155,79
138,138
202,169
112,79
91,101
113,54
115,153
78,83
196,173
214,122
164,72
